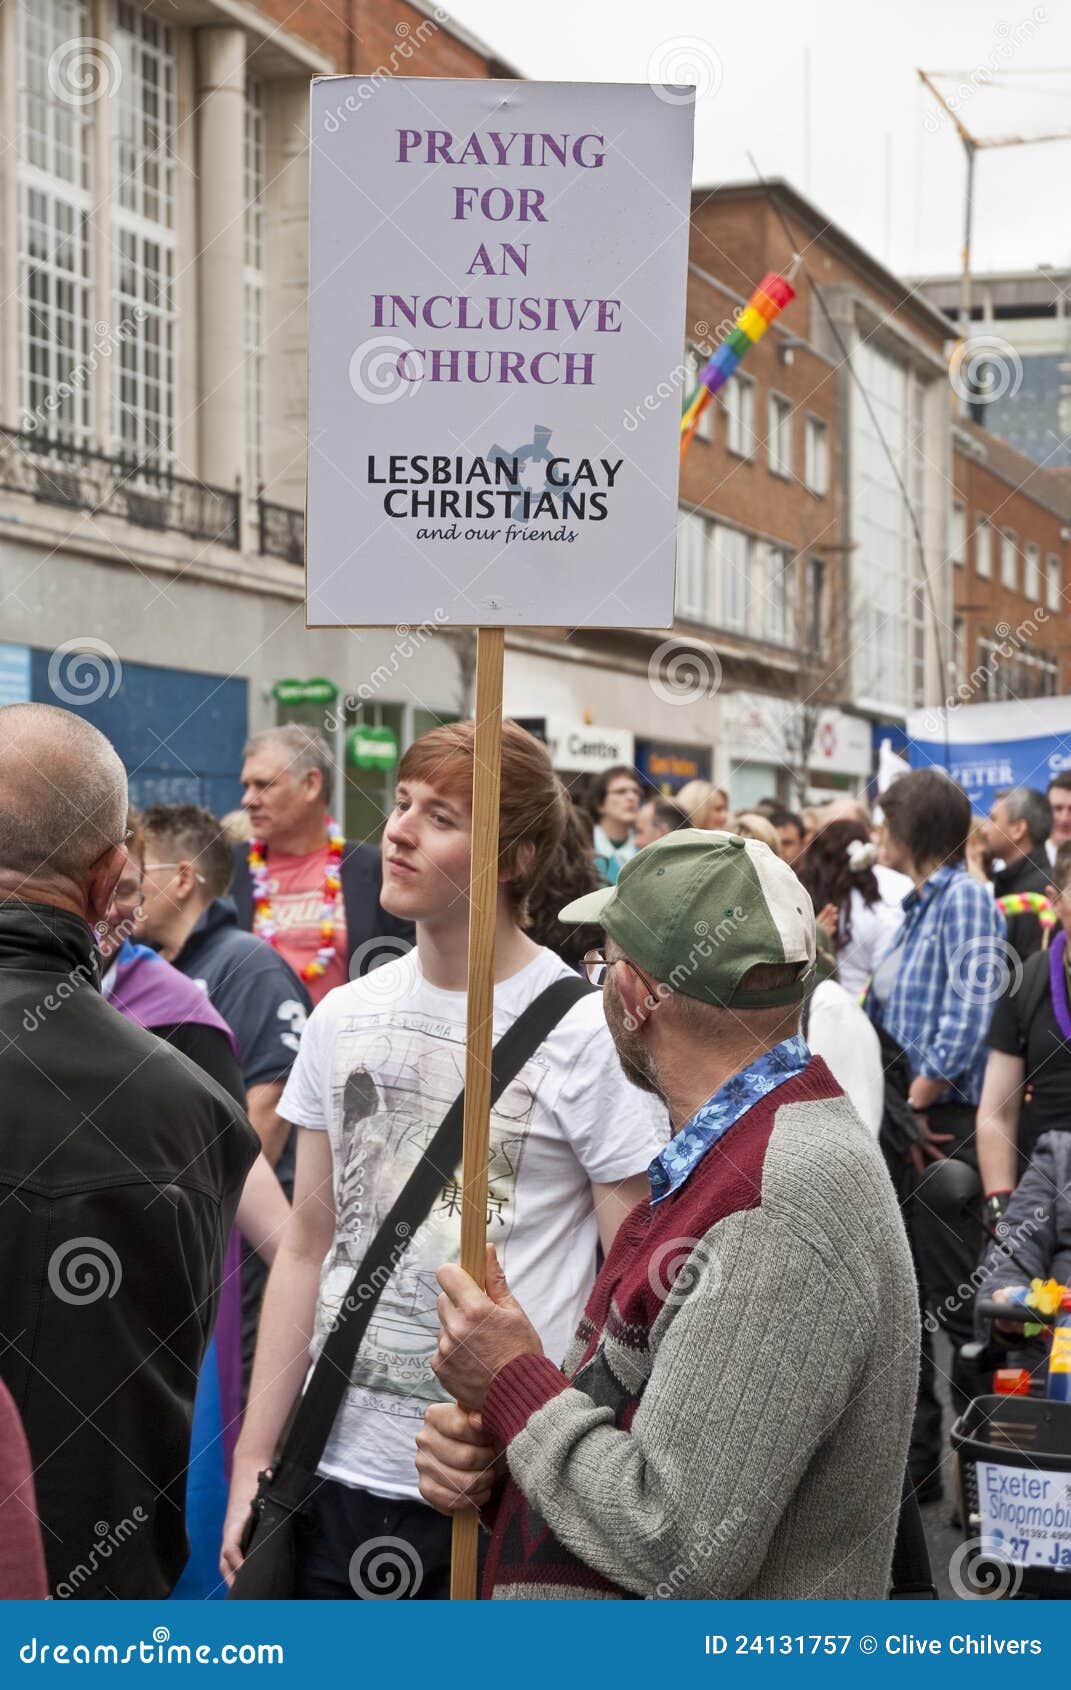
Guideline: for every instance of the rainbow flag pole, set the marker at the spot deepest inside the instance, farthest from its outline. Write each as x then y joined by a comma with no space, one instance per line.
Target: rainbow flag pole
767,302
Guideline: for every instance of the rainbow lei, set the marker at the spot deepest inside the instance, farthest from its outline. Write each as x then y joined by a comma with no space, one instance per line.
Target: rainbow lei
263,922
1029,903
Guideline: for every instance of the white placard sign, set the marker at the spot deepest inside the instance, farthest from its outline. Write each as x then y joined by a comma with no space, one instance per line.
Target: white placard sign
496,289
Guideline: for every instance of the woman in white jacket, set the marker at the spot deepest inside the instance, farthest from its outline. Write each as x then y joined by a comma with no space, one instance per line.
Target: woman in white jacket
837,868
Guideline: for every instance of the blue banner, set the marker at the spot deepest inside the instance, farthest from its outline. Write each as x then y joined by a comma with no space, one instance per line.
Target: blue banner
990,746
520,1644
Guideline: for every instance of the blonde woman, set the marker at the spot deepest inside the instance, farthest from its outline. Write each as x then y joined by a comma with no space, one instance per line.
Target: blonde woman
705,805
750,825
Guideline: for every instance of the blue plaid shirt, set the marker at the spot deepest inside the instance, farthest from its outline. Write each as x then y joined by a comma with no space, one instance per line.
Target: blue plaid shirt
687,1148
954,962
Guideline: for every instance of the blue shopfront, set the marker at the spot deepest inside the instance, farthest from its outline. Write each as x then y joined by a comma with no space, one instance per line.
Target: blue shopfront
179,732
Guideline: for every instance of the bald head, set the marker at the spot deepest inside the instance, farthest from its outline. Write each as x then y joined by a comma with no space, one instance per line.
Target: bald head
63,798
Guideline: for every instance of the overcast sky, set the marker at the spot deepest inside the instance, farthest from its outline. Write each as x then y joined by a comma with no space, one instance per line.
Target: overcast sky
877,155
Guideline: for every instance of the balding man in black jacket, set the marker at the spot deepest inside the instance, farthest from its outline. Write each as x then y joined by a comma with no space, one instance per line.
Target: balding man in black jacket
121,1165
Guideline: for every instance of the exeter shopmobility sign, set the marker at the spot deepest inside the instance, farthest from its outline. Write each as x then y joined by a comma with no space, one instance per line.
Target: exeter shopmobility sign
1018,742
498,272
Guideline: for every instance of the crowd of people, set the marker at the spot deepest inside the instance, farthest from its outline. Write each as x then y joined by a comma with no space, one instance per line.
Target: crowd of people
734,1048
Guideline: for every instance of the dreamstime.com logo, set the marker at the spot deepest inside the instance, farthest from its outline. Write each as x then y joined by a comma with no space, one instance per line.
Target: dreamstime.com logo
1012,642
681,63
108,1540
386,1569
1010,37
83,670
985,368
106,337
983,969
975,1576
679,674
377,1279
375,370
382,985
674,1274
409,41
84,70
158,1652
706,1543
1009,1239
83,1270
82,974
408,642
706,939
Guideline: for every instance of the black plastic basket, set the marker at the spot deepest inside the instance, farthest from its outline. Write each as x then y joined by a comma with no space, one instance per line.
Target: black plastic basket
1033,1433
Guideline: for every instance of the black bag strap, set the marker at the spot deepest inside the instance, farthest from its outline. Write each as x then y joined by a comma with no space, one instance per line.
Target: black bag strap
315,1415
912,1578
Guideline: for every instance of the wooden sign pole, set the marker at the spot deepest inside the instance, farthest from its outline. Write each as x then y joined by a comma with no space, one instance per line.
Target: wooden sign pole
483,907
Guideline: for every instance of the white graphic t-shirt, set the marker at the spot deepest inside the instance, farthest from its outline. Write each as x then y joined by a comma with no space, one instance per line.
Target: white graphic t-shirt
380,1062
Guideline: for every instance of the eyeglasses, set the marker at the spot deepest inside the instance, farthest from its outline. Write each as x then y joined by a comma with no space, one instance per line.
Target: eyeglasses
152,868
596,969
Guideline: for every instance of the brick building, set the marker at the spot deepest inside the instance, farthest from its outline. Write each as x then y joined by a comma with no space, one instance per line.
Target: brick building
1010,544
153,423
795,469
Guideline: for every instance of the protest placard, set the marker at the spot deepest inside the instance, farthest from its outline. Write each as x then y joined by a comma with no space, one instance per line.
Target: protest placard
497,282
497,278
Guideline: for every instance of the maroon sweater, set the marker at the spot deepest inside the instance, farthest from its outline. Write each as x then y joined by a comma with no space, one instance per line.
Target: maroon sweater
22,1556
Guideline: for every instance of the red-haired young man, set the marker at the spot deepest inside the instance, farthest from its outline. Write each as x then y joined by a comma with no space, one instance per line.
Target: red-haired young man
381,1059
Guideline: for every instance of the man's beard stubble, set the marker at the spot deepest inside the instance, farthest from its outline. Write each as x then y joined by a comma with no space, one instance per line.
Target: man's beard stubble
632,1053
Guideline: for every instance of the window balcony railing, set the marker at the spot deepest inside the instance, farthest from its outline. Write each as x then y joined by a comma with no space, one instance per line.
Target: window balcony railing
282,531
79,478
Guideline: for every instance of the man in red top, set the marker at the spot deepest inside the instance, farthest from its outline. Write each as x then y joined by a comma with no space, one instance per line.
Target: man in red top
316,901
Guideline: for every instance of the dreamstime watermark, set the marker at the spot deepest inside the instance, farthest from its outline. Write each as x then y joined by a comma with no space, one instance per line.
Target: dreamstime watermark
675,1274
83,670
705,942
409,41
1008,1238
83,1270
983,969
84,70
375,370
82,974
371,1287
1010,38
678,376
160,1651
705,1545
985,368
106,337
108,1539
681,63
680,674
651,402
975,1576
409,641
386,1569
371,963
1012,641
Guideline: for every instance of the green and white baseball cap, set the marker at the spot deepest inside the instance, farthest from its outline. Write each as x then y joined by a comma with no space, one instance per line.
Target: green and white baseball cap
698,909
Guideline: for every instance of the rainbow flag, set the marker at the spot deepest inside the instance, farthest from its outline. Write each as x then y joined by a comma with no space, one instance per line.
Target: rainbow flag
767,302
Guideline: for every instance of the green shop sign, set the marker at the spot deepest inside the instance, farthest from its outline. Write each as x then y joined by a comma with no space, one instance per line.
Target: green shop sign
372,748
318,691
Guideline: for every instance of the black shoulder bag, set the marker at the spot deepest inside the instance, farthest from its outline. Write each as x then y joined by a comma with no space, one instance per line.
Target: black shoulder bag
269,1541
